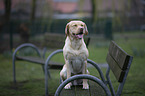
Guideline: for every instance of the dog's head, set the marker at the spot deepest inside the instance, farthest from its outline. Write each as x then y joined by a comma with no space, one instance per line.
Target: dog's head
76,29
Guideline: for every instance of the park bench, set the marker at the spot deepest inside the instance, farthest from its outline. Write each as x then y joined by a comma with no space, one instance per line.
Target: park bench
57,42
118,61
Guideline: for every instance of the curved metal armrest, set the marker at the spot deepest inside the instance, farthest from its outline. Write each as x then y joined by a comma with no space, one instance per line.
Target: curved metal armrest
46,67
14,55
93,78
26,45
98,68
51,55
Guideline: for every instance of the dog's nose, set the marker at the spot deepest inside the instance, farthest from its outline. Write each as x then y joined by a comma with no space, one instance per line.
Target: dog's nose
81,29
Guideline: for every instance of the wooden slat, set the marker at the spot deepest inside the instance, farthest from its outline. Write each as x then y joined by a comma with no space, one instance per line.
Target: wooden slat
55,66
51,42
52,65
68,92
81,92
119,55
119,74
87,41
31,59
95,89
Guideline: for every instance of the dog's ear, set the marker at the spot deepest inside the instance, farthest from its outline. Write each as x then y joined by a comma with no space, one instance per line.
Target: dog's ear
67,29
86,29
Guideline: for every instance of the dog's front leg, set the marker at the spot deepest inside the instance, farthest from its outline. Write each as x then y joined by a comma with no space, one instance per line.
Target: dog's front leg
85,71
68,86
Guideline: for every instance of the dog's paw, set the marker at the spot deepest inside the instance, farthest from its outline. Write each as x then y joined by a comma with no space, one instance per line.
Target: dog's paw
68,86
85,86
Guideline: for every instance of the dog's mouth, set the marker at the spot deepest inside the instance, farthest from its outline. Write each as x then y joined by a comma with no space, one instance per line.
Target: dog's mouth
79,35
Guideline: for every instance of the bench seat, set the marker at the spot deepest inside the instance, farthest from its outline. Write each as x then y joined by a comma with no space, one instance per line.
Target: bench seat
37,60
94,90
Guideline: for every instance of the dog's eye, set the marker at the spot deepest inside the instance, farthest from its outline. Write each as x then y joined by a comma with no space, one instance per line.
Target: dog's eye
82,25
75,25
73,33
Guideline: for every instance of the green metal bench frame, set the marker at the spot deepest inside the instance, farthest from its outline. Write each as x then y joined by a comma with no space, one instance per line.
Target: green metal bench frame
116,59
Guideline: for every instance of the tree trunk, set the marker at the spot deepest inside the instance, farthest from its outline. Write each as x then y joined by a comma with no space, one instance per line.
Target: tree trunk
94,15
7,13
33,10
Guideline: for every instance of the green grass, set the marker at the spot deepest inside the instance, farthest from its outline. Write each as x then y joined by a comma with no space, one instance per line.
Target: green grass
30,77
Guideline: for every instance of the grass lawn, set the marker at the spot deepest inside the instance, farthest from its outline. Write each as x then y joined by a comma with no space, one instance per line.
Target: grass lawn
30,77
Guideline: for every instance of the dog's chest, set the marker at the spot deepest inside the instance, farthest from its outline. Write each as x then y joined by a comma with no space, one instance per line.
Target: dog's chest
76,64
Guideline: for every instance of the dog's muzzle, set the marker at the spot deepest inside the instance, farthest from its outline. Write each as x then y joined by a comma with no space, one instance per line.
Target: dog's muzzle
80,34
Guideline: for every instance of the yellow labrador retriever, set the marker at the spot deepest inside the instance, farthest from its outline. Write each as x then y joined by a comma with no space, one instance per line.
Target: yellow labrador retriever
75,52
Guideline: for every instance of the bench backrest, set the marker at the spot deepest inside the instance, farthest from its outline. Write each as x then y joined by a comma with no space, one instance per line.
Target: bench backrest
57,40
118,61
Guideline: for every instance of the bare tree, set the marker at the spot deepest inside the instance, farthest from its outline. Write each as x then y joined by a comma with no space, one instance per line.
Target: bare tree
7,13
33,9
94,14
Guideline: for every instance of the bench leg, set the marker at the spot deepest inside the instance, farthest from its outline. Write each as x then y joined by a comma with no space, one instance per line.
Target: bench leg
14,71
43,68
47,71
14,56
